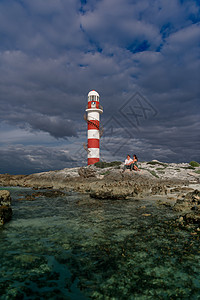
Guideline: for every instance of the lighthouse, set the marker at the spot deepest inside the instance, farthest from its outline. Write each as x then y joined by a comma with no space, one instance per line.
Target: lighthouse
93,110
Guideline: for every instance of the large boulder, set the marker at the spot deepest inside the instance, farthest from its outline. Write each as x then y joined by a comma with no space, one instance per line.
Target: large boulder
192,218
119,190
86,172
5,198
191,201
5,209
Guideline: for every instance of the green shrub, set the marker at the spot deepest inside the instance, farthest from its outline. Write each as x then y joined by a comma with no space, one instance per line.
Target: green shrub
99,164
194,163
115,163
153,173
105,173
156,163
189,167
197,171
103,164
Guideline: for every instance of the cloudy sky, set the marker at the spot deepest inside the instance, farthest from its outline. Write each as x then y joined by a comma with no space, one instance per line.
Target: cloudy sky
143,58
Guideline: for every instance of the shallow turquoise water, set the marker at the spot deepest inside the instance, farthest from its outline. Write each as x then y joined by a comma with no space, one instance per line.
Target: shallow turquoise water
74,247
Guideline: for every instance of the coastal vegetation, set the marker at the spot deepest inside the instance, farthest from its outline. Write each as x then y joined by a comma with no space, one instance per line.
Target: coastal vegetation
156,163
153,173
189,167
194,164
103,164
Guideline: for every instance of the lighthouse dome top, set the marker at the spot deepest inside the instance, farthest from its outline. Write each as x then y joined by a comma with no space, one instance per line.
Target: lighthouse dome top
93,96
93,92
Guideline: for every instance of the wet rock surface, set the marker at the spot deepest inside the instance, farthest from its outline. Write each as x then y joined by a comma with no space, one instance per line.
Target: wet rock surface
189,208
190,201
46,194
5,209
5,198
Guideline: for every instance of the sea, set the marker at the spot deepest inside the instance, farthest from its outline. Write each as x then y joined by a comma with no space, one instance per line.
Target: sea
76,247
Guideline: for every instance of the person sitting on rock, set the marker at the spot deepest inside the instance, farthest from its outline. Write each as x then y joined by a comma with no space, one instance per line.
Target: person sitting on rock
134,164
128,163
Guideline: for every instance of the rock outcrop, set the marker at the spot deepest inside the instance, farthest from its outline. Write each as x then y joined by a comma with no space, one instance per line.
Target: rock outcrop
106,181
189,207
191,201
86,172
5,209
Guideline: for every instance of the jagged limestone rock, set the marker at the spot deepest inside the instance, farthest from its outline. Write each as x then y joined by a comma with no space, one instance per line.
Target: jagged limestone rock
86,172
5,209
191,201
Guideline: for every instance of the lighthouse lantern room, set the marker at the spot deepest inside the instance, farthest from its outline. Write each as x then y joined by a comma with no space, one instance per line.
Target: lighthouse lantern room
93,110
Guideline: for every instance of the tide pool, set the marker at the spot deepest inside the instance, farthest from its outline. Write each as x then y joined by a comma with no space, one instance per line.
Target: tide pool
75,247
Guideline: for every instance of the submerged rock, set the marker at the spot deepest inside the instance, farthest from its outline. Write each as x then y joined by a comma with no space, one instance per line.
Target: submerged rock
191,218
5,209
46,194
109,194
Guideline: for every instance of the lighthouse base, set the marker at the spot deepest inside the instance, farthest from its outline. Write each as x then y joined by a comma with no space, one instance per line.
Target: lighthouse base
92,161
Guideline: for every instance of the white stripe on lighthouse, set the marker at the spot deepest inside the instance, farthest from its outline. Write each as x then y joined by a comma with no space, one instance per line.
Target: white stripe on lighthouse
93,134
93,115
93,152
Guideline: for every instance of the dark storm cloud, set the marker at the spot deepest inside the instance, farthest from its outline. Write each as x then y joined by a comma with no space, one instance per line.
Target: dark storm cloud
153,142
32,159
56,127
52,54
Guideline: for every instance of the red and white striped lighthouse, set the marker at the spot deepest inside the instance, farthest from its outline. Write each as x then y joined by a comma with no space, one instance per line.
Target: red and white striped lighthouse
93,110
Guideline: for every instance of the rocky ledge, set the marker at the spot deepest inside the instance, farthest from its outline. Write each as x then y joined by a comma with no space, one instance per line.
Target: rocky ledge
5,209
189,208
174,185
107,181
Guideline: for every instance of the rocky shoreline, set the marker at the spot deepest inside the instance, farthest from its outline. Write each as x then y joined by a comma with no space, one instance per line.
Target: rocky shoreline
154,178
175,185
5,207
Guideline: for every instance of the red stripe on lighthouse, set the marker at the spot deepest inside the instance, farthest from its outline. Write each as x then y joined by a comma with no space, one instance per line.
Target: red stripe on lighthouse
92,161
93,124
93,143
90,104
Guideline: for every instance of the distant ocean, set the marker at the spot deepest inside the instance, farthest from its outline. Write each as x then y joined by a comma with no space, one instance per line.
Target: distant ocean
74,247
